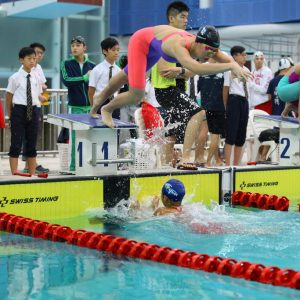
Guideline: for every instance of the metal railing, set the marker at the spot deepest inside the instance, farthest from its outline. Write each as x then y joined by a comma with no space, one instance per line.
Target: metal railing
47,132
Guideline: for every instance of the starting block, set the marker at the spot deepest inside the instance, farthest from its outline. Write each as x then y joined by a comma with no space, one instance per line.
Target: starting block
96,144
289,139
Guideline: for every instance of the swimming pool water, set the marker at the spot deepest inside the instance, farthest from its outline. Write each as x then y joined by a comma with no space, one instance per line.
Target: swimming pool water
37,269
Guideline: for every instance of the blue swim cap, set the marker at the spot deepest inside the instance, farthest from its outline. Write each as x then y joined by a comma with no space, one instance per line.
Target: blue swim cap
174,190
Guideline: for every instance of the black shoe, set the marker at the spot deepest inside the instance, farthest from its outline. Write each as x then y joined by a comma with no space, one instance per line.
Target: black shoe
40,169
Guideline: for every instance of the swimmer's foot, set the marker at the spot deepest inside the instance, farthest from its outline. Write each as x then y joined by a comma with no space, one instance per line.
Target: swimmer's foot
94,116
107,118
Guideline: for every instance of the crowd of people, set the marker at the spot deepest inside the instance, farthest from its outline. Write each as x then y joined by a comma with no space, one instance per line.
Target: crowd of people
181,67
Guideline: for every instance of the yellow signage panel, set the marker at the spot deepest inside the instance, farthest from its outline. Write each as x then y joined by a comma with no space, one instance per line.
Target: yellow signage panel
51,200
283,182
199,187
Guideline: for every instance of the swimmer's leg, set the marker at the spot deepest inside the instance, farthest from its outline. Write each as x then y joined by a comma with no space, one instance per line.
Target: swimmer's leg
115,83
133,96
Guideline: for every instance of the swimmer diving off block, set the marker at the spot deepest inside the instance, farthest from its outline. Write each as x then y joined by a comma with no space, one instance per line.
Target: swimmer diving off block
147,46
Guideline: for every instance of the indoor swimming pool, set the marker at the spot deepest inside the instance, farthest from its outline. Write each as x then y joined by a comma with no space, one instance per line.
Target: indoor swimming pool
40,269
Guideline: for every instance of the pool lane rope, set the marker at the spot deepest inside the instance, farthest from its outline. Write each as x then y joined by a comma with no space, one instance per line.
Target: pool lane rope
122,246
262,201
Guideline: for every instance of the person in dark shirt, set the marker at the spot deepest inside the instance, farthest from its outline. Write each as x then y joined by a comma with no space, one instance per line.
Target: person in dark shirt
277,108
211,88
277,104
75,76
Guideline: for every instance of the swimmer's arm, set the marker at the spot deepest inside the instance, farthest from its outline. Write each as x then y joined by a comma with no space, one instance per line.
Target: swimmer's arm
222,57
134,205
155,203
183,56
169,71
161,211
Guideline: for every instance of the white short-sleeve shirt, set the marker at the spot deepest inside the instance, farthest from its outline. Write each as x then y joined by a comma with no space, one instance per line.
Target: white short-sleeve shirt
17,85
236,86
39,73
99,76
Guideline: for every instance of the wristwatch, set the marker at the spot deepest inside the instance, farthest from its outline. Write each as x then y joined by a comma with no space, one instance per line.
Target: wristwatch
182,71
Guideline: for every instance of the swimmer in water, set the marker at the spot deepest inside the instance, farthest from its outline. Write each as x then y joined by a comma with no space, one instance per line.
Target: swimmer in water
172,194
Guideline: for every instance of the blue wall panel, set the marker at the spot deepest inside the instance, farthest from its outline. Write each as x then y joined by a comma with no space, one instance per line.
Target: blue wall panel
127,16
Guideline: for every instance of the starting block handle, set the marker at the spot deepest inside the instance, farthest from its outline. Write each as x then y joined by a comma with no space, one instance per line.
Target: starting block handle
94,161
113,161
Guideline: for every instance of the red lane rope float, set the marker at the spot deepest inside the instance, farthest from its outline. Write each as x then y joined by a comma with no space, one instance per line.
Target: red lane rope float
120,245
262,201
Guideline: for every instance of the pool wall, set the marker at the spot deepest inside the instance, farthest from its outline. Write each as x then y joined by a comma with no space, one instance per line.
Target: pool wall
64,197
72,196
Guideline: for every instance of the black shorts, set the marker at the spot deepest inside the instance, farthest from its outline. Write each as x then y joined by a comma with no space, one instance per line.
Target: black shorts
237,114
21,128
216,122
269,135
179,109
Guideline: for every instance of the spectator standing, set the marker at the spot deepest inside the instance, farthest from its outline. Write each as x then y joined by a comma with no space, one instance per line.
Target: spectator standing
278,105
102,73
75,73
23,109
235,97
171,83
262,76
39,73
211,88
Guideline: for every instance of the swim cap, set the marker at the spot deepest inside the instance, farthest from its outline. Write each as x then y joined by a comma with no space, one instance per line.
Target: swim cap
208,35
258,54
284,63
174,190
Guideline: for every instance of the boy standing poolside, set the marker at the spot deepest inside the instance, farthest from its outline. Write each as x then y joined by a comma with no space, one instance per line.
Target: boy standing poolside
39,73
102,73
22,103
75,73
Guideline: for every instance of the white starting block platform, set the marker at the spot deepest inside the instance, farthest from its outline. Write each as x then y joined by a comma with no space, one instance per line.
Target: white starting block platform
96,144
289,139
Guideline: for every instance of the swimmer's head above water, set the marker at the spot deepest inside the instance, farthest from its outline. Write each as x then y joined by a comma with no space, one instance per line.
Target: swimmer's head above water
208,35
172,192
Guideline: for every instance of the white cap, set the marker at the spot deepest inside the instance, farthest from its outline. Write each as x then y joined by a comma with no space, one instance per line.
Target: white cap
284,63
291,61
258,53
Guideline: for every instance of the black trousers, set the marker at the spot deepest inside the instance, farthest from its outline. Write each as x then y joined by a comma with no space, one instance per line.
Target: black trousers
237,114
22,128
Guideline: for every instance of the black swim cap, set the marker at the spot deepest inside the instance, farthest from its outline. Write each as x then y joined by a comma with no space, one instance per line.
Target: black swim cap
208,35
